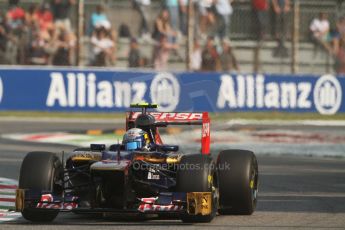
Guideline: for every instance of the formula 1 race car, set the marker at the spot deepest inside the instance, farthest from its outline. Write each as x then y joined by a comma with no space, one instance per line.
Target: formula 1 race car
141,176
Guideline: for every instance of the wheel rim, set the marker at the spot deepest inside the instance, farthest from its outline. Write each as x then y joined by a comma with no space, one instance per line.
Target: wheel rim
253,184
215,193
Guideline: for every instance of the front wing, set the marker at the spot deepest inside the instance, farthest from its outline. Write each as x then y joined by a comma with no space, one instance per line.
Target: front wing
193,203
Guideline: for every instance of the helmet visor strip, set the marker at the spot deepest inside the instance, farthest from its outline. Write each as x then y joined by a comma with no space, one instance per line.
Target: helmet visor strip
133,145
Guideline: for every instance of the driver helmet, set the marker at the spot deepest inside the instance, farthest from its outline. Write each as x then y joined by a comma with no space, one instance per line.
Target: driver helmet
136,139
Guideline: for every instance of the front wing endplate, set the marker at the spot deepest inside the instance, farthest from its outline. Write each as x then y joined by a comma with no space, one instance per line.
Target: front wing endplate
199,203
20,198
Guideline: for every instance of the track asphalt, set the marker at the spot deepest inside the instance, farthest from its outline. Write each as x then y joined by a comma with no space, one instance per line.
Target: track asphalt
297,191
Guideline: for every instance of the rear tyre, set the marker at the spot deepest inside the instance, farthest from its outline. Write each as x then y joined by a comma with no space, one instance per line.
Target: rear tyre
238,184
40,171
194,176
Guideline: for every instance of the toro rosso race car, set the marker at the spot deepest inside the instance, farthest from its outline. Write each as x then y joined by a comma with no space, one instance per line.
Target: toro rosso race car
141,176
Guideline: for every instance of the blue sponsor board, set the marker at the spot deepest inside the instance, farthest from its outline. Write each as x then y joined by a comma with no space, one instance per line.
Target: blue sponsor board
109,90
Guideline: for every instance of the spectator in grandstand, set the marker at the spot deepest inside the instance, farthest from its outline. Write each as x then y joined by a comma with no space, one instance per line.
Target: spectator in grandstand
3,39
162,28
210,57
99,19
124,31
143,7
65,44
15,20
173,8
339,29
195,57
207,18
281,10
341,25
337,35
44,19
60,10
224,11
134,54
320,31
51,44
13,2
227,58
30,15
103,47
183,10
15,17
338,46
37,54
260,11
162,52
339,53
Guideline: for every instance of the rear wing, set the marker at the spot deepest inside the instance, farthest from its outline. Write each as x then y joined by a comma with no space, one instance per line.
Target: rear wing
163,119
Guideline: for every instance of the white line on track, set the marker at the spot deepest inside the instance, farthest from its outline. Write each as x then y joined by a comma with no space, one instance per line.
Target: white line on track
8,181
305,194
6,219
9,216
8,160
7,196
7,204
7,193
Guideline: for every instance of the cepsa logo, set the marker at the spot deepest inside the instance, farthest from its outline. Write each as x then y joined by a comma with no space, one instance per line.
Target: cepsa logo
254,92
83,90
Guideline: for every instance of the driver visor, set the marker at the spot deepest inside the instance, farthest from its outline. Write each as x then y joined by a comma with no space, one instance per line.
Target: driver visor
133,145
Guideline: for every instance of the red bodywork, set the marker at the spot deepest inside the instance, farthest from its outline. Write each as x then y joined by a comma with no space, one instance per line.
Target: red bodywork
202,119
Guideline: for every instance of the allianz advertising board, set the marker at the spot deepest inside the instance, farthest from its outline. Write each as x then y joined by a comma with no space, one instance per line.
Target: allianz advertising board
108,91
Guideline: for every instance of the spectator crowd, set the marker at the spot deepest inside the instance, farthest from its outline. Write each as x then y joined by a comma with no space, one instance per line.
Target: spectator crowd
329,40
43,34
40,35
169,31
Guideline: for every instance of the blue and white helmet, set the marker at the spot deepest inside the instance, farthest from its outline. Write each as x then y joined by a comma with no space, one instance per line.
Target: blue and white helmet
136,139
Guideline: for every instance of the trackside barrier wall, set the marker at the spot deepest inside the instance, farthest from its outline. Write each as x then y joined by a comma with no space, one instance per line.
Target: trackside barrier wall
95,90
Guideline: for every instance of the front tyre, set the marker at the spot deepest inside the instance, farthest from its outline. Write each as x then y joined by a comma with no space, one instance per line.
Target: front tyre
40,171
238,182
197,173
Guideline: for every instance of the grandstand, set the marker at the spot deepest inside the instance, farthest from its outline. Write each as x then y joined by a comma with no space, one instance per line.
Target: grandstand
242,35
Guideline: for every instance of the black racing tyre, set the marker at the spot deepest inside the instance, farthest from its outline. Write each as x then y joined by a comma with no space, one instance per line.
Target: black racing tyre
238,179
193,176
40,171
